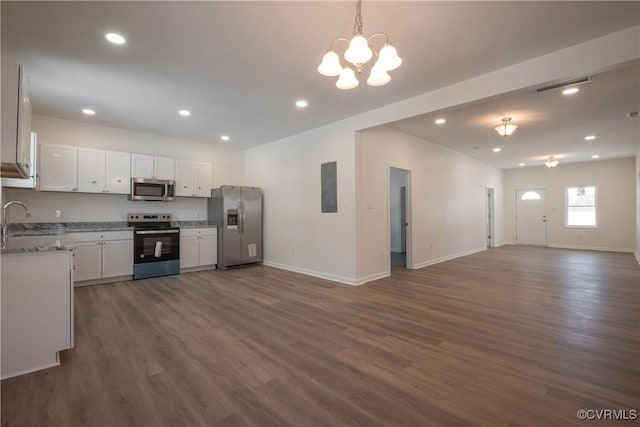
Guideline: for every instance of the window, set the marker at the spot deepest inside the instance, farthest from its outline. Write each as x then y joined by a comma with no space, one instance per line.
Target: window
530,195
581,207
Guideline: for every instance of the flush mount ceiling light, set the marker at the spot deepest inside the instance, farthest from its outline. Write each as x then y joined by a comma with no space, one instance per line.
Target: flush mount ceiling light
225,137
184,113
497,150
570,91
440,121
358,54
589,137
301,103
551,163
115,38
506,128
88,112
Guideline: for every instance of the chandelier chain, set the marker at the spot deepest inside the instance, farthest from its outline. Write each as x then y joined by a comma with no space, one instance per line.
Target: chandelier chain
357,25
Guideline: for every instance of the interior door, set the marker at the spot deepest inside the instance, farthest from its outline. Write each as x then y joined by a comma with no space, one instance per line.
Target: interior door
531,217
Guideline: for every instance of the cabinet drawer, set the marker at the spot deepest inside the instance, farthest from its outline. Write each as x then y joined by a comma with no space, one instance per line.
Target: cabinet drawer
94,236
209,231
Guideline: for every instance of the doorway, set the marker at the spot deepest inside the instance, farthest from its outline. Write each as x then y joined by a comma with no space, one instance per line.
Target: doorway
490,220
531,217
399,195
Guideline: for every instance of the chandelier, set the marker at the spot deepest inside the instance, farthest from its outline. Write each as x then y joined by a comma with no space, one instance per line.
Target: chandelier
552,162
358,54
506,128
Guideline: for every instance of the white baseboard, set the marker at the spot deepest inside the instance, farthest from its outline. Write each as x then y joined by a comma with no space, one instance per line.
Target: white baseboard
448,257
30,370
319,274
591,248
637,254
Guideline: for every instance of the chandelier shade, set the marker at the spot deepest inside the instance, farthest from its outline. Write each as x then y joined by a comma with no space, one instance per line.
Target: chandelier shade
358,54
347,79
506,128
330,65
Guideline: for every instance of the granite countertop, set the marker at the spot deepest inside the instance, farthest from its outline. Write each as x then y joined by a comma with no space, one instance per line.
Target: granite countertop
61,228
40,248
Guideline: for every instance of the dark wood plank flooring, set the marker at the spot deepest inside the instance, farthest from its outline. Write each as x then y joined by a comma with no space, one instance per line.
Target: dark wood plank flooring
514,336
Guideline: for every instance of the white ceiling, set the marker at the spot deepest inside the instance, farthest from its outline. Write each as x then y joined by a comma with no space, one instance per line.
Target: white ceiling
240,66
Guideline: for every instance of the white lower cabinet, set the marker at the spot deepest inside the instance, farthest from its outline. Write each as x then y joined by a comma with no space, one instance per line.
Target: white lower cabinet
198,247
103,255
37,310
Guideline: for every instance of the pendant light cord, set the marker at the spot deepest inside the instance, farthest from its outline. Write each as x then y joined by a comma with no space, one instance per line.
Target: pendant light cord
357,25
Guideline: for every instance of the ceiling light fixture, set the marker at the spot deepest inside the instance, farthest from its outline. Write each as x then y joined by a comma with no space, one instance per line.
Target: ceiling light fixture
521,164
440,121
506,128
497,150
595,156
88,112
551,163
570,91
115,38
184,113
301,103
359,53
589,137
225,137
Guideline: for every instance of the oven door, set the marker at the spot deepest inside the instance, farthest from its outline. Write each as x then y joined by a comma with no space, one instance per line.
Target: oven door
153,245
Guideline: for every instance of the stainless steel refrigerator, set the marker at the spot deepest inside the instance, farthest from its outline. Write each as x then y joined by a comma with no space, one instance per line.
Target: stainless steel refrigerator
237,212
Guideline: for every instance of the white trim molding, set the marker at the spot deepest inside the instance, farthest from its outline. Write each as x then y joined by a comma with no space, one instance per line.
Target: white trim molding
591,248
448,257
332,277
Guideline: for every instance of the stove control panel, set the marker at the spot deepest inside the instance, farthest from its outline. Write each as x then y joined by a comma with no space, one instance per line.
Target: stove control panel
148,217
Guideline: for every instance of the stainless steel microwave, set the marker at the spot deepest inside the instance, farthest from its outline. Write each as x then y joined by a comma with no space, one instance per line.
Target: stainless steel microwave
159,190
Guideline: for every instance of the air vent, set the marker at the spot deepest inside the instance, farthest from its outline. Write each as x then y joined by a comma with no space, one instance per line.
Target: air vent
581,80
632,115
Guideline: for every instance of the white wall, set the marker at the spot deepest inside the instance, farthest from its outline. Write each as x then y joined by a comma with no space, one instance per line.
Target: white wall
398,178
616,202
447,214
297,235
227,168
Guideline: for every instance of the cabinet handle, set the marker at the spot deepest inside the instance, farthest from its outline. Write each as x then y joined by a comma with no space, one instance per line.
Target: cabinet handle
184,186
94,181
74,189
119,180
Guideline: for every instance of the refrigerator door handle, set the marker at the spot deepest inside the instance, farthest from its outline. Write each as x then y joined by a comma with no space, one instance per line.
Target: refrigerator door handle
241,228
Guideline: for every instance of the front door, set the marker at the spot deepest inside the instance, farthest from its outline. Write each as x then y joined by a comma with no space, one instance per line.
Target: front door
531,217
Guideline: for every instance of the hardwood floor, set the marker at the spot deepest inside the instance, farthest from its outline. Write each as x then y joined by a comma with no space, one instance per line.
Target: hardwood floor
514,336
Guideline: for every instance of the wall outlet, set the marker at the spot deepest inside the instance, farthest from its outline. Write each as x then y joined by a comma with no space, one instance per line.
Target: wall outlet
57,213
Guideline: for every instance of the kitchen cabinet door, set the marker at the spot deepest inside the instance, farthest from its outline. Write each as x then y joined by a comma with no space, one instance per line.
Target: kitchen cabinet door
87,260
164,168
184,178
202,179
118,172
189,251
208,249
91,170
142,166
58,167
117,258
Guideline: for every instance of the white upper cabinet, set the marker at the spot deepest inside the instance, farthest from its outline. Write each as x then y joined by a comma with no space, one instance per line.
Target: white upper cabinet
184,178
144,166
118,172
16,120
193,179
91,170
164,168
202,179
102,171
58,167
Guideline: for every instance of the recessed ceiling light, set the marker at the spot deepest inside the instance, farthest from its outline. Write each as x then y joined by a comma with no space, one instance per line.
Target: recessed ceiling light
184,113
570,91
595,156
440,121
301,103
497,150
225,137
589,137
521,164
88,111
115,38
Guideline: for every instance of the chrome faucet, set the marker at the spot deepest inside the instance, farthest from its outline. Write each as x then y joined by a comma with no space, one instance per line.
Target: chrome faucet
5,230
